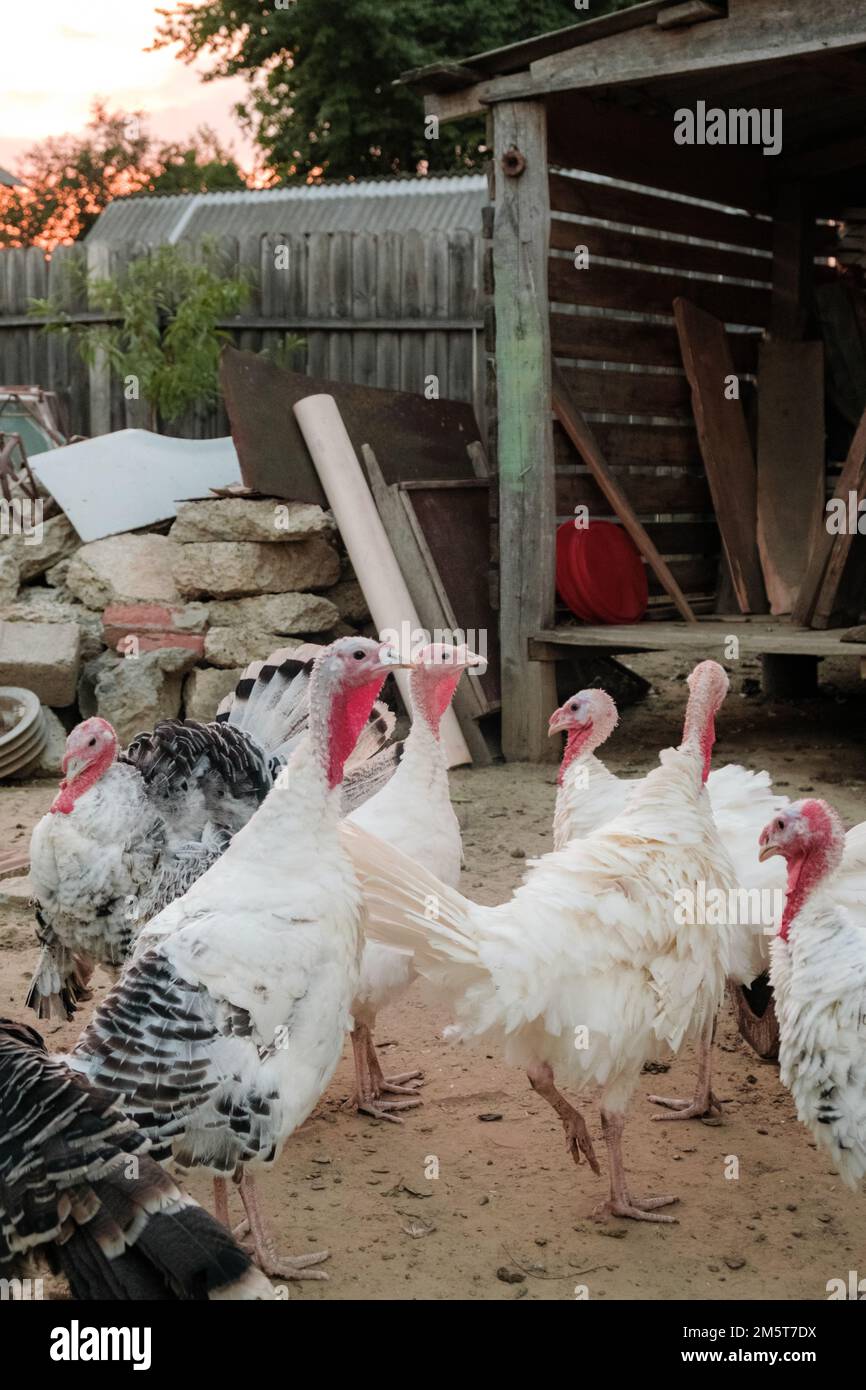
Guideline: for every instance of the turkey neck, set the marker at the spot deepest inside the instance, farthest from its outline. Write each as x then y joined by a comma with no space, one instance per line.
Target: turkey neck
699,729
432,693
580,746
70,792
804,876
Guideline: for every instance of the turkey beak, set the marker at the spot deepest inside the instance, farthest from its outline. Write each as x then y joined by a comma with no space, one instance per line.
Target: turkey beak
471,659
767,851
557,723
72,766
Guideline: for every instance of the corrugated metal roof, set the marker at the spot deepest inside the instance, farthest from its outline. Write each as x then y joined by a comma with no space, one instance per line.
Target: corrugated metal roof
449,203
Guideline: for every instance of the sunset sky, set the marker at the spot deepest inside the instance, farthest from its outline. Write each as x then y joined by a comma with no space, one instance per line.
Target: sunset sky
58,56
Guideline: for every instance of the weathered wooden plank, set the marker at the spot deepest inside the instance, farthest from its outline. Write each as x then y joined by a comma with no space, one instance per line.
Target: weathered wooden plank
690,12
845,349
705,638
598,338
637,445
696,575
413,562
452,105
463,292
793,269
525,437
412,306
605,137
817,583
363,307
630,393
616,287
654,251
726,448
389,271
249,265
648,493
437,303
610,203
340,305
790,463
318,295
573,422
751,35
352,342
69,374
830,594
99,258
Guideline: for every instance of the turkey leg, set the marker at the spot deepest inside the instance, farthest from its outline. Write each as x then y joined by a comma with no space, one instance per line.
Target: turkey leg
371,1084
263,1252
704,1104
620,1202
577,1140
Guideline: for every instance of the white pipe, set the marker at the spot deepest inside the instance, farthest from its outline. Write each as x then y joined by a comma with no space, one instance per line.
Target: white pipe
366,539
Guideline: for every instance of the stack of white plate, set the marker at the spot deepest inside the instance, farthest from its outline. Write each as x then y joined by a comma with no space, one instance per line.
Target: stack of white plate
23,734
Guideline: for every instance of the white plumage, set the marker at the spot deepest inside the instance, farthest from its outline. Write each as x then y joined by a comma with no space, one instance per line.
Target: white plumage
584,970
589,795
818,972
413,812
228,1024
131,831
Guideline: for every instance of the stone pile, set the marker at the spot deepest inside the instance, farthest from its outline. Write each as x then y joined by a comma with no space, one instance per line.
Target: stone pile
146,626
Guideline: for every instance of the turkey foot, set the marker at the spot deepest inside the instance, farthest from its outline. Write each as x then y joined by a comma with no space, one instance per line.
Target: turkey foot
620,1202
577,1140
371,1085
705,1106
636,1208
262,1249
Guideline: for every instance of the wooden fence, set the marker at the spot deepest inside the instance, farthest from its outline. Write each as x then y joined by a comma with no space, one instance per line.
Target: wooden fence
380,309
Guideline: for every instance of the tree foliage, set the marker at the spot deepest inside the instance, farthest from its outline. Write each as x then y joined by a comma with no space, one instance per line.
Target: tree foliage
69,180
321,99
166,341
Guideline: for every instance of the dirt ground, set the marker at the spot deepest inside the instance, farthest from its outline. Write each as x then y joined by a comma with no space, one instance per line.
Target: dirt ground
507,1199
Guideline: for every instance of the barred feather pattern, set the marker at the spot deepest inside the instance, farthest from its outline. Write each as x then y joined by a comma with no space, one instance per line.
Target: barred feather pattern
163,814
273,697
79,1190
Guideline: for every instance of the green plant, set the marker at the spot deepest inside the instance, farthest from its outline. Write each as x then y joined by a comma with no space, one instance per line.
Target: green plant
164,338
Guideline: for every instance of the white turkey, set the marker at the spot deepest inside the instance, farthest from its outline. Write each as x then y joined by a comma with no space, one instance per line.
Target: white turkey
585,972
80,1193
588,795
130,831
818,972
227,1024
413,812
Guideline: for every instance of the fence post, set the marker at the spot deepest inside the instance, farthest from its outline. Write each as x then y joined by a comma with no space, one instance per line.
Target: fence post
99,376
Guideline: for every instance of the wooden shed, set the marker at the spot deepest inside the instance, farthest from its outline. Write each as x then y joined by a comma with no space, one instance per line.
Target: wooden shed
640,258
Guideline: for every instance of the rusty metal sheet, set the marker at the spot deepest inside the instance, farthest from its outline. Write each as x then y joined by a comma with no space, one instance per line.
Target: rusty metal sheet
455,525
412,438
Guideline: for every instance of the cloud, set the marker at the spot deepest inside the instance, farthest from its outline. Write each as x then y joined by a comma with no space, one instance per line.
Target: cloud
60,70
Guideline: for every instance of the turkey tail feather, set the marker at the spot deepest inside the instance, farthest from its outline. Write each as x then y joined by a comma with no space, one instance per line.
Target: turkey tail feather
147,1240
270,702
407,907
78,1188
270,699
59,983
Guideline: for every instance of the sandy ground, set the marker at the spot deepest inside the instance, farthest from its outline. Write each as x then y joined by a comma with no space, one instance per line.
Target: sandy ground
476,1185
